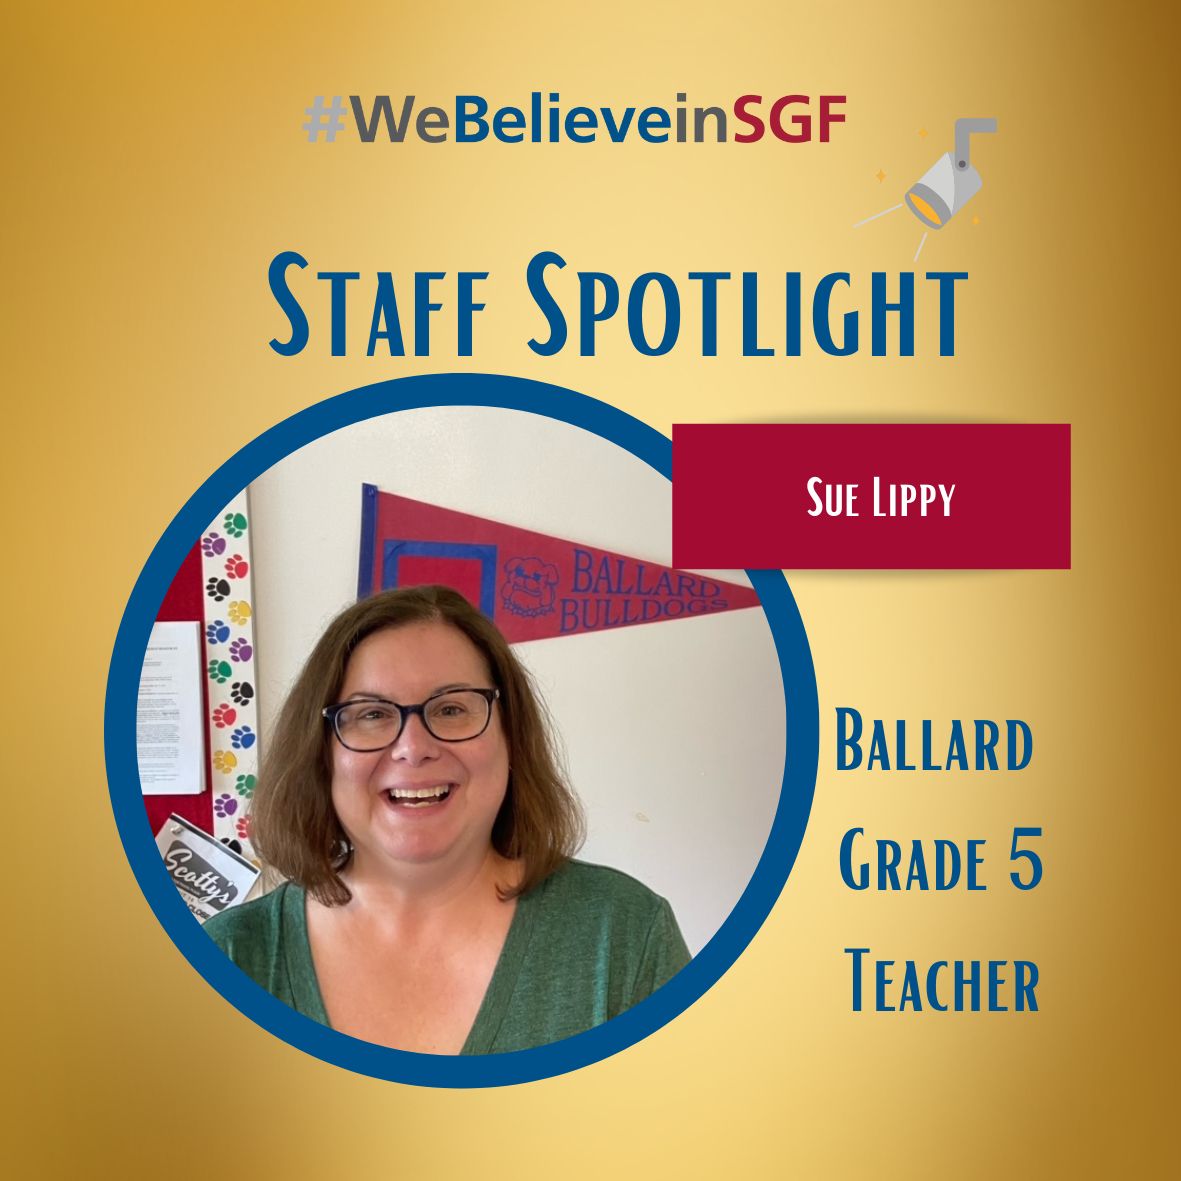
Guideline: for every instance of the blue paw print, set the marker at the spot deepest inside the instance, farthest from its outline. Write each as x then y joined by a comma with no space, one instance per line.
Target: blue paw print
243,738
217,632
225,805
241,651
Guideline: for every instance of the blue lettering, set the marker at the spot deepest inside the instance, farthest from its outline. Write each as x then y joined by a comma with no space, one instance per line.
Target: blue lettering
385,310
847,739
581,124
879,752
467,309
793,314
618,131
883,982
889,855
583,560
995,980
750,316
947,282
917,874
589,313
975,861
277,277
947,864
709,308
881,307
535,280
820,317
956,751
861,881
652,120
337,281
422,310
1013,726
933,986
470,108
1026,982
910,990
506,121
635,314
858,953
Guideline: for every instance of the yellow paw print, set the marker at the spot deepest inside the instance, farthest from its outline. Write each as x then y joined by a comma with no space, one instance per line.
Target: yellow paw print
239,612
224,761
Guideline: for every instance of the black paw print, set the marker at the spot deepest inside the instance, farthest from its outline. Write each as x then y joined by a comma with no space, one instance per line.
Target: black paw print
232,844
217,589
241,692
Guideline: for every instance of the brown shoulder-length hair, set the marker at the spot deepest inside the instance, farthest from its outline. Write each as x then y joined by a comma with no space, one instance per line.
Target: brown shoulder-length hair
295,829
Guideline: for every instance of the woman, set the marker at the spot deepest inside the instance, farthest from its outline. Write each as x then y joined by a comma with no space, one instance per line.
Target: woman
411,796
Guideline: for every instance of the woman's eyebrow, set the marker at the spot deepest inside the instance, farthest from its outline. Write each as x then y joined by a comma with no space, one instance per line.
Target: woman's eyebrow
365,695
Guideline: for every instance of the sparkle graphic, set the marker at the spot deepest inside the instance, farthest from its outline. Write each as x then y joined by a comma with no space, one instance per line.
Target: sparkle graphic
880,175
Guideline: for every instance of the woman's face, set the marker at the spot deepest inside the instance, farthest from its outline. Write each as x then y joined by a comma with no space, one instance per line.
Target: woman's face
465,782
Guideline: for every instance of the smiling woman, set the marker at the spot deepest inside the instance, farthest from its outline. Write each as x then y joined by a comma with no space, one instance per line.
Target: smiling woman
412,799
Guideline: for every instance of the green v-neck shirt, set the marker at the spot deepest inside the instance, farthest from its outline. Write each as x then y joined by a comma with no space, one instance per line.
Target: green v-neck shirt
583,946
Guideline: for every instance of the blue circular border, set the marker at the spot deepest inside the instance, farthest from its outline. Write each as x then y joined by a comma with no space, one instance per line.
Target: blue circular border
770,875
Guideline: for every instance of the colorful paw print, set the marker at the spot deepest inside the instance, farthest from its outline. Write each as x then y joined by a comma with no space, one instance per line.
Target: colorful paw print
224,761
225,806
243,738
224,716
241,652
234,524
244,786
241,692
220,672
237,566
213,546
243,827
239,612
217,632
217,589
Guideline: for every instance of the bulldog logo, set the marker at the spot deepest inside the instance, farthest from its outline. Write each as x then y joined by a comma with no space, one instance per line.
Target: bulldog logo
529,586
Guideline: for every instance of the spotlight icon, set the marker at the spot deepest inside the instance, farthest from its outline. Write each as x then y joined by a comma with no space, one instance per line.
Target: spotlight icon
947,186
952,181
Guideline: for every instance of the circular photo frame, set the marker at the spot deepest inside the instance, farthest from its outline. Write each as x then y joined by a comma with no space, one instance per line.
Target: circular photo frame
706,968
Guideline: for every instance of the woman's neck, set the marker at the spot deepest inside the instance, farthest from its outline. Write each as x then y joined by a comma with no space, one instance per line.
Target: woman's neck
410,897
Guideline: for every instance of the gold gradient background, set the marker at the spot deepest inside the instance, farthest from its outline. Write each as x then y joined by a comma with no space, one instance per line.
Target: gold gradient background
156,166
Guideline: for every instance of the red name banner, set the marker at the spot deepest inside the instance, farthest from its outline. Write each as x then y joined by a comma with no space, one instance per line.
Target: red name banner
929,496
532,585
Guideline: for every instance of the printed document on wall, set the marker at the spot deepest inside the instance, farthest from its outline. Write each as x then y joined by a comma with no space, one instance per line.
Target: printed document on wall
169,731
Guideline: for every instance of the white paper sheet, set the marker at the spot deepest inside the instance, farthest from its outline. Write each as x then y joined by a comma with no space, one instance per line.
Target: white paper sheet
170,734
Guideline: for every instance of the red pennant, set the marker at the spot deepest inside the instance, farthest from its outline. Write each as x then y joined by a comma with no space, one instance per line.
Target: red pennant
532,585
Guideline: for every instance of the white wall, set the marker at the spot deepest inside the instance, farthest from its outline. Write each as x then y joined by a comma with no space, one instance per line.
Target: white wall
673,731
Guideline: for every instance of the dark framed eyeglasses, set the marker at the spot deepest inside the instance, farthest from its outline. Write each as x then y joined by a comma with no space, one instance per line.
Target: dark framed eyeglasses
455,715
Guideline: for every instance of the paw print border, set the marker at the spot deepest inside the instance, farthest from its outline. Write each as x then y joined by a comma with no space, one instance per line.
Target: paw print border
233,763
